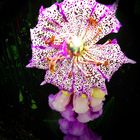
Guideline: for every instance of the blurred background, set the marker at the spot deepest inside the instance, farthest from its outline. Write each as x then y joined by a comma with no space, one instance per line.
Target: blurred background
24,110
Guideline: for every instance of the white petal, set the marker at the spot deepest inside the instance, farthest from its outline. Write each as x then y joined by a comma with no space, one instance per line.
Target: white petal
80,104
61,101
84,117
130,61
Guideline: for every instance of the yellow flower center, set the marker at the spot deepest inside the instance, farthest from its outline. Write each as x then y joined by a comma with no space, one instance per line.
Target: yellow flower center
75,46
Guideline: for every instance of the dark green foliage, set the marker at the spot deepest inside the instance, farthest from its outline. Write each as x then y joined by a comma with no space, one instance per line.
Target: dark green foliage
21,94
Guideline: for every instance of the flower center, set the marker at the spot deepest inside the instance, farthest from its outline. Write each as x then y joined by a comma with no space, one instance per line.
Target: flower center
75,46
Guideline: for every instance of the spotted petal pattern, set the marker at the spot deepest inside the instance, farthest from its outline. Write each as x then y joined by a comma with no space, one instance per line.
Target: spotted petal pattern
64,43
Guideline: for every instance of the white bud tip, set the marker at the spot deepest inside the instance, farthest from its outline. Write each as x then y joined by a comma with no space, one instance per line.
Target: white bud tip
29,65
130,61
43,83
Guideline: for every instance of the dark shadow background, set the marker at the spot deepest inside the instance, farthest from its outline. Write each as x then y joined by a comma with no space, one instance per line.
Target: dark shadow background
24,111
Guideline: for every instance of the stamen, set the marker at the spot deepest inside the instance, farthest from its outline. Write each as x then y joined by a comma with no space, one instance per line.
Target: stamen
97,63
70,74
52,62
106,63
97,34
79,67
90,59
50,40
91,22
52,67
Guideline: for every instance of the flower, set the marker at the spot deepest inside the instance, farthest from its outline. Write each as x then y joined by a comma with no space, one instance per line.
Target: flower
65,44
59,101
78,107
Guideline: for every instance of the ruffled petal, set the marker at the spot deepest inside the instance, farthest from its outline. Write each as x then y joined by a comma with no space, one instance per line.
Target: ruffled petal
88,116
96,99
39,57
111,55
80,103
69,114
59,101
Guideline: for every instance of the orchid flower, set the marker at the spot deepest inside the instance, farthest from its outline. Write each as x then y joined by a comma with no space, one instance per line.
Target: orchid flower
65,44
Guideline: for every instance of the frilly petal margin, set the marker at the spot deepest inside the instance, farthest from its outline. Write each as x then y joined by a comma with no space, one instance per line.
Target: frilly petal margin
64,44
57,25
59,101
78,107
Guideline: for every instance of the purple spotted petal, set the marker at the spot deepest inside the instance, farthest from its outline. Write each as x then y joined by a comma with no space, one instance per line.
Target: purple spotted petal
64,43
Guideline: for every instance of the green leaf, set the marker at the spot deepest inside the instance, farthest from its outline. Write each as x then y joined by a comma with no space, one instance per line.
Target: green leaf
33,104
59,0
15,52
